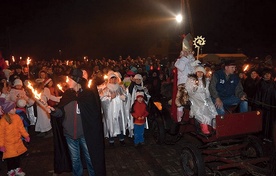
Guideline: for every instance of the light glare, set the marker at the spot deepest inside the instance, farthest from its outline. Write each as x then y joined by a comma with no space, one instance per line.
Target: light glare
179,18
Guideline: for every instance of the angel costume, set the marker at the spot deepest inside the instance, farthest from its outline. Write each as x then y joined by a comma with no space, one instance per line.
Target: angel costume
202,107
113,110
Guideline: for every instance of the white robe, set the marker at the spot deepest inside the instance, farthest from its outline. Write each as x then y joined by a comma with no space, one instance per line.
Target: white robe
114,118
202,107
43,122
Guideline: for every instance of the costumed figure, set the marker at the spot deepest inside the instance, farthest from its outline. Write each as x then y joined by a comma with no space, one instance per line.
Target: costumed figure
202,107
80,110
185,66
136,86
112,99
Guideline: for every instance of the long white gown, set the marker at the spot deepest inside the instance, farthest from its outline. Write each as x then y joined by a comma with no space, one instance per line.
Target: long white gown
114,118
202,107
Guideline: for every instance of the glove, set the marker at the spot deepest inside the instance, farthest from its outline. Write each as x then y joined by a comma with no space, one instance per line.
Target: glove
27,139
195,63
2,149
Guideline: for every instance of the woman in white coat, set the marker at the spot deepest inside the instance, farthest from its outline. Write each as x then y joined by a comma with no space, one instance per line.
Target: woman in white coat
112,98
202,107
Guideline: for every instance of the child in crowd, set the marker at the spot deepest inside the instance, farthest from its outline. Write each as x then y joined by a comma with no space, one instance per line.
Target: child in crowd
11,130
139,113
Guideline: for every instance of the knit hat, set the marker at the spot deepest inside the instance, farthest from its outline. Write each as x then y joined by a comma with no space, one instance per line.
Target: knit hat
199,68
134,69
7,106
2,101
138,76
139,94
17,82
21,103
47,81
76,75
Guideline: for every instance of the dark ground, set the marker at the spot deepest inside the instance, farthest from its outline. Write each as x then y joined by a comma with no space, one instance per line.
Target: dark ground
149,160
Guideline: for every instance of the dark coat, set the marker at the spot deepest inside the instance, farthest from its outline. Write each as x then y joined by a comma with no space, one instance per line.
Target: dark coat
90,108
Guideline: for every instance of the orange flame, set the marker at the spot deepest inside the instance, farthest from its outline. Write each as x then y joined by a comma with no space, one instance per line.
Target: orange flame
67,79
89,83
60,87
28,60
105,77
36,94
246,67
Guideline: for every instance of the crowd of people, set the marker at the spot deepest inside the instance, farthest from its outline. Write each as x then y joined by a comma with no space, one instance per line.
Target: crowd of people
81,102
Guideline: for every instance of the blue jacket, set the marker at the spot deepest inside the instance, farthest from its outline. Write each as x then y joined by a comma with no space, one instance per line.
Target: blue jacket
226,88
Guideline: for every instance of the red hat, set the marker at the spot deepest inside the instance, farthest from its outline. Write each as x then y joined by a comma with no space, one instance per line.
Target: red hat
130,73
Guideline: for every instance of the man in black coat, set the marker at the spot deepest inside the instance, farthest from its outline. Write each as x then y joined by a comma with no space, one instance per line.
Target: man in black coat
266,100
82,125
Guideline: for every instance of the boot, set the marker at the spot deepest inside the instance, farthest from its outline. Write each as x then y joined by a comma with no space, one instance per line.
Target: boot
11,173
204,129
19,172
180,112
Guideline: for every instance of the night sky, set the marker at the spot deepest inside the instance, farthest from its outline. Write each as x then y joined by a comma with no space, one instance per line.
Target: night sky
110,28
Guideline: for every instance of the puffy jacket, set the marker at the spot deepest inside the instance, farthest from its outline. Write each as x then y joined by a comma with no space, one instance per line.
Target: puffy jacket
10,136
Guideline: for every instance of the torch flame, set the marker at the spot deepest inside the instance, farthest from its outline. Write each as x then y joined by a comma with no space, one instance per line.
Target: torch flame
36,94
28,60
67,79
60,87
89,83
246,67
105,77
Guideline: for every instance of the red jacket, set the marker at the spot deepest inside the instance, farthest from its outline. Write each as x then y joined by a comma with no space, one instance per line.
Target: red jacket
139,110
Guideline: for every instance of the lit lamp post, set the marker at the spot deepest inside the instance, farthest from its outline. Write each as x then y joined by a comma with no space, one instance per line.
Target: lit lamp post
178,18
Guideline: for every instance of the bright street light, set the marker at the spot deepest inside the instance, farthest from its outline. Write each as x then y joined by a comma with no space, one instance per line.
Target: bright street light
179,18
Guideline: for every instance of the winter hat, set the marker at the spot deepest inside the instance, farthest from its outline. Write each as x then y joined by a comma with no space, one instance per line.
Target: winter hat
21,103
76,75
139,94
138,76
47,81
134,69
119,76
17,82
199,68
2,101
7,106
7,73
130,73
111,74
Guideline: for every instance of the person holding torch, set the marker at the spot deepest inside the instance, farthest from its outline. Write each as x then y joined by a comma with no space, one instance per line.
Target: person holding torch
80,109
